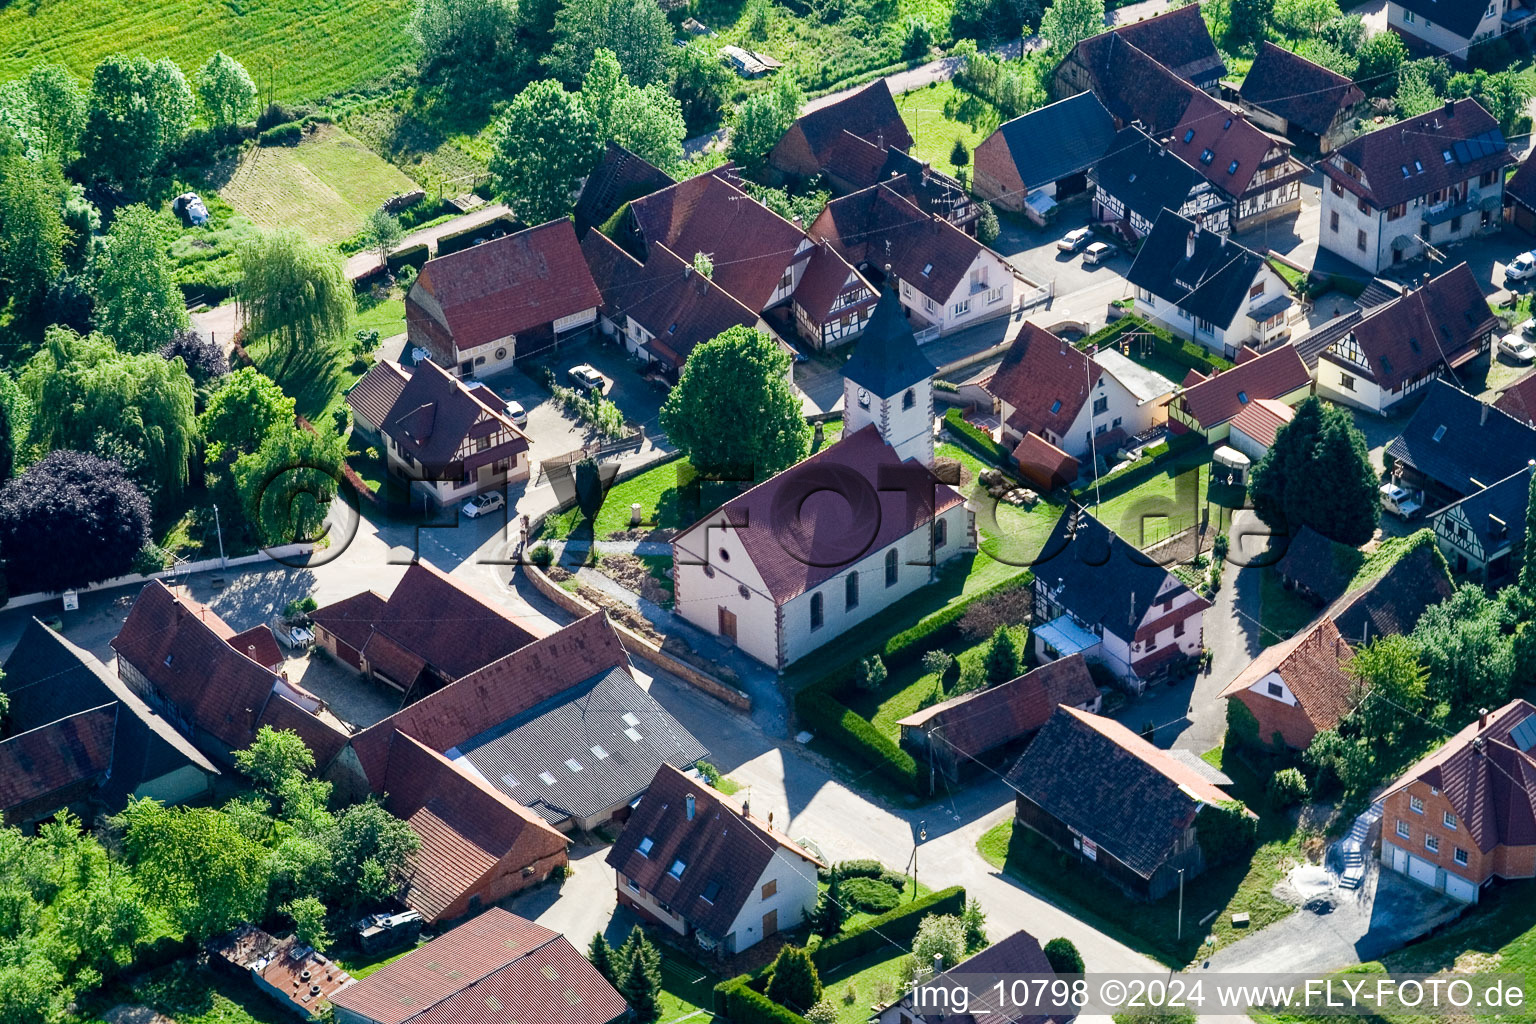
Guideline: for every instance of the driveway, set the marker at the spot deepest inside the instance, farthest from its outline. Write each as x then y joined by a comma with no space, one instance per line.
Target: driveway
364,263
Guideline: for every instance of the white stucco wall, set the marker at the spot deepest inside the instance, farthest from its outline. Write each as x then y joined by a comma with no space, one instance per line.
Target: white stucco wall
794,898
909,431
1438,35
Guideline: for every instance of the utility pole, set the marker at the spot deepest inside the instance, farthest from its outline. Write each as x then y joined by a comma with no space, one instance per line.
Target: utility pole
1180,934
219,529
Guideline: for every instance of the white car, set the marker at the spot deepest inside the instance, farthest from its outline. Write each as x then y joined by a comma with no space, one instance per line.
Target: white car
1516,346
298,637
480,504
587,376
516,413
1399,501
1074,240
1522,267
1097,253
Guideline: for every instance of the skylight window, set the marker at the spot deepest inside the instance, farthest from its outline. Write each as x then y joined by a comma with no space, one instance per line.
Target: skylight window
1189,135
677,869
1413,343
927,269
1207,156
644,849
1232,167
573,765
630,719
711,892
546,778
1056,407
1227,125
1386,364
1447,154
633,734
672,329
168,658
1131,177
1418,167
509,781
1242,397
1439,432
598,752
1406,171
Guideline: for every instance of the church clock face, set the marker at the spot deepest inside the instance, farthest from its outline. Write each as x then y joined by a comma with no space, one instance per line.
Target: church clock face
863,398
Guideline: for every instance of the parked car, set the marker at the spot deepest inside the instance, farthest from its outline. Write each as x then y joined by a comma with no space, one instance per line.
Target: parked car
1522,267
1074,240
1399,501
587,376
1098,252
480,504
298,637
1516,346
516,413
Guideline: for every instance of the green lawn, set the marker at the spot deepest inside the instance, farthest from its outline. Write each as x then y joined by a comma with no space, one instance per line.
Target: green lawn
939,114
386,317
1153,928
450,157
1011,536
364,965
326,186
686,987
1282,613
859,987
906,687
306,49
1160,506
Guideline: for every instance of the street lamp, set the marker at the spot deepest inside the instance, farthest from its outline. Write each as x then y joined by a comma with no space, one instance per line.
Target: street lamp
219,529
922,835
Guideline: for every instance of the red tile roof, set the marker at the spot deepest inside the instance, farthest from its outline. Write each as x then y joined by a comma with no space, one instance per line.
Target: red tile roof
1236,145
185,657
1045,465
1419,143
1131,84
465,825
797,541
495,969
322,736
504,286
1424,327
1216,400
1519,399
1311,664
1178,40
436,417
1488,773
51,757
975,723
826,277
880,226
429,620
1521,187
751,246
258,644
1261,418
376,392
1045,379
505,687
870,114
1309,96
722,850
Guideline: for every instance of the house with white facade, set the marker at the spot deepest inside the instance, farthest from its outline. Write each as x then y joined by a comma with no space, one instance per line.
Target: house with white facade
1404,345
692,861
1138,178
1451,29
1434,178
1250,166
946,279
1099,597
1482,534
1210,289
446,439
476,311
1078,402
800,559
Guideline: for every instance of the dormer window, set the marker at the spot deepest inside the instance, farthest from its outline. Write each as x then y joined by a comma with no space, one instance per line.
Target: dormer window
1418,167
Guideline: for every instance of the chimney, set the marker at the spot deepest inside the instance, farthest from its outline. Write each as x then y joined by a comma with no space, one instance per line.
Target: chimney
1450,108
1189,246
938,964
1482,415
688,804
1424,281
1482,718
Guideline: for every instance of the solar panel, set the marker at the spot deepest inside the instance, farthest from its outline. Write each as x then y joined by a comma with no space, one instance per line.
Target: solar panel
1524,734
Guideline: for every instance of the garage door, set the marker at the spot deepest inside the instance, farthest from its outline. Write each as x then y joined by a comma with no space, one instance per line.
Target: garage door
1421,871
1460,888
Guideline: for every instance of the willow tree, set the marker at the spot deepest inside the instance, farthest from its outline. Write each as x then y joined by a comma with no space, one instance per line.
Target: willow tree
137,409
295,299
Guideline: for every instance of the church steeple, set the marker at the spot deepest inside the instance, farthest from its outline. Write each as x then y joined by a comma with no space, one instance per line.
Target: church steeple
889,382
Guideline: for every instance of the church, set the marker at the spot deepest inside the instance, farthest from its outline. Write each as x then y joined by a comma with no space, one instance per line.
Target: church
800,559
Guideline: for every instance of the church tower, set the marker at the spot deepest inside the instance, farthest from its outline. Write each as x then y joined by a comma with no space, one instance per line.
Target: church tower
889,382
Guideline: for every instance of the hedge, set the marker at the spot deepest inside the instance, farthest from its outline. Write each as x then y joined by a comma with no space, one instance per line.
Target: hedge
737,1001
411,256
1152,462
937,629
1178,350
976,439
287,134
897,926
840,724
460,240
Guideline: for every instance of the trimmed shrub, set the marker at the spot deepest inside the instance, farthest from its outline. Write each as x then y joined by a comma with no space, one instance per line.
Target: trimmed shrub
895,879
287,134
976,439
859,868
899,926
870,895
738,1002
1064,957
1225,831
1287,787
411,256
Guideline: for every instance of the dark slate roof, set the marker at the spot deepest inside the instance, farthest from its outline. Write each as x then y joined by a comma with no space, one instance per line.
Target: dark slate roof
1132,85
1393,603
1460,18
870,114
1318,564
1147,177
1096,776
620,177
1471,137
1488,773
1180,42
614,730
1288,85
1521,187
1058,140
1504,501
1103,579
724,851
1211,285
1018,955
1423,328
886,359
1475,445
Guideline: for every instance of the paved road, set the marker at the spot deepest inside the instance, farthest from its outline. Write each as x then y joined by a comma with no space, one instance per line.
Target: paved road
364,263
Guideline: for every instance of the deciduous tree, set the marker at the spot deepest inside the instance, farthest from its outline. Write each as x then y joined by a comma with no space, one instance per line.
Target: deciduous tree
225,92
138,304
242,412
760,432
1066,23
288,483
761,120
700,81
543,146
138,112
308,916
70,520
1467,644
32,233
1380,56
635,30
466,42
646,121
295,299
58,104
204,360
275,758
195,865
384,234
941,935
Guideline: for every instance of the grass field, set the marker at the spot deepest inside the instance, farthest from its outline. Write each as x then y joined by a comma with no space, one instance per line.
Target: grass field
306,49
452,159
940,113
326,186
858,986
686,988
